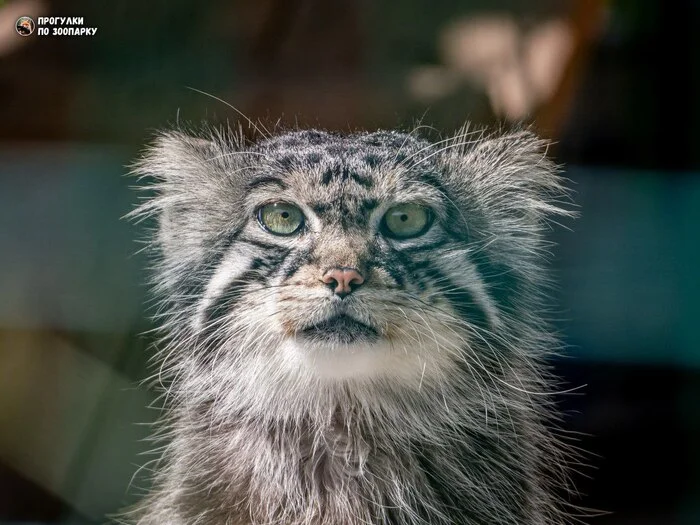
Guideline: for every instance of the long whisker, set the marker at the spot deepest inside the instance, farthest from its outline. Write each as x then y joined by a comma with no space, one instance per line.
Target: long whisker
250,122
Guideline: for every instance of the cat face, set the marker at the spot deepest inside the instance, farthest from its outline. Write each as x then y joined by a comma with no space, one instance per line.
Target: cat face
366,256
344,206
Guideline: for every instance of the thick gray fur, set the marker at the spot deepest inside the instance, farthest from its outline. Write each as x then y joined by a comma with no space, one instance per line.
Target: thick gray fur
445,421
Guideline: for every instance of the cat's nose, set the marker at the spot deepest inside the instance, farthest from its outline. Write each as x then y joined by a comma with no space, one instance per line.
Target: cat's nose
343,280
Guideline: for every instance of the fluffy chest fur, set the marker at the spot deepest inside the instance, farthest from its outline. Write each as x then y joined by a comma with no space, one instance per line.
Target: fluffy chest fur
354,330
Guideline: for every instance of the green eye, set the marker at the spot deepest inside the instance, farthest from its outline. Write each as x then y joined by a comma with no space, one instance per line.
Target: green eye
406,220
281,218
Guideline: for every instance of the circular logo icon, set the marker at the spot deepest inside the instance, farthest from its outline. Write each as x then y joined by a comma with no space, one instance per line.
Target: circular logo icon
24,26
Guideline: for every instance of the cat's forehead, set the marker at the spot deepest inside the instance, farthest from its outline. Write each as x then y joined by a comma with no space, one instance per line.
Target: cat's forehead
364,149
316,160
345,177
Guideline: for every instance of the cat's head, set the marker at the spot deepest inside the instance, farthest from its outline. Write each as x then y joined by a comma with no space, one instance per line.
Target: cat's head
371,255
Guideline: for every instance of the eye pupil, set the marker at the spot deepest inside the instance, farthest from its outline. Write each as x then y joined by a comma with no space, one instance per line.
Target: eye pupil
285,215
404,217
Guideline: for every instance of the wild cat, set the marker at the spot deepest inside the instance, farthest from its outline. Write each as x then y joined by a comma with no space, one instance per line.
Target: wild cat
354,329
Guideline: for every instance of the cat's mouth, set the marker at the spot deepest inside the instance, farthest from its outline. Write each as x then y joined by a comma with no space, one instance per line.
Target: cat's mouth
339,329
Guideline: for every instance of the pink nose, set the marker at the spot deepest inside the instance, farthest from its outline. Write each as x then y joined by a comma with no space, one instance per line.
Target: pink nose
343,280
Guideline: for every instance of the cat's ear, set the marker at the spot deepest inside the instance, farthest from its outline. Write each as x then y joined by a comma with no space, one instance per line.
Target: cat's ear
509,173
174,156
172,167
190,191
509,193
180,170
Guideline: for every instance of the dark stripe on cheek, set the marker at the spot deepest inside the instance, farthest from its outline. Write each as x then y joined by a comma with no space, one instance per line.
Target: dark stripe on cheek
454,224
271,261
234,291
189,289
393,268
264,245
505,284
415,270
293,263
225,302
424,247
381,256
461,299
229,238
260,270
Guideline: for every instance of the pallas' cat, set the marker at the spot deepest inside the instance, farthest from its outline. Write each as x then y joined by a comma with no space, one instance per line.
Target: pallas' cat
353,329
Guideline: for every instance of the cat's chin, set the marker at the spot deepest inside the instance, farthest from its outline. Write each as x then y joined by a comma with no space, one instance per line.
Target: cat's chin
338,361
343,348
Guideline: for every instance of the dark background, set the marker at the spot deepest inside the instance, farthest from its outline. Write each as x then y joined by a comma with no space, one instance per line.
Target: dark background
614,84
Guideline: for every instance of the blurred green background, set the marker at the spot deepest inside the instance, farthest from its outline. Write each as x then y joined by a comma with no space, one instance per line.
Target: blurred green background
614,85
